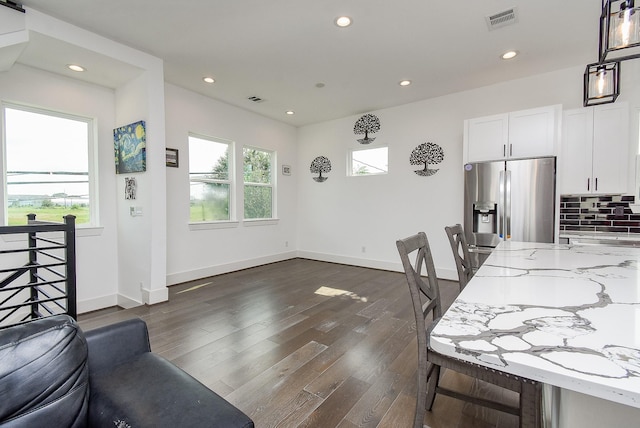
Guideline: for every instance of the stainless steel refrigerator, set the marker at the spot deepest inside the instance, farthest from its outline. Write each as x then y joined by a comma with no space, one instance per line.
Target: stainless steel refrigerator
509,200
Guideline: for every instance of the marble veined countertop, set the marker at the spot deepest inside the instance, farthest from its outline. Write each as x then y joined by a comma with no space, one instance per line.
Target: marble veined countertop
565,315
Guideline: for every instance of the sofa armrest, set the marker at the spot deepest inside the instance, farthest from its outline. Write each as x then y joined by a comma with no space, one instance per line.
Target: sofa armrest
116,344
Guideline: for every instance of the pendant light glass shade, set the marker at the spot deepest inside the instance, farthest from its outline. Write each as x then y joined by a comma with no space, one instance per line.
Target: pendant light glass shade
601,83
619,30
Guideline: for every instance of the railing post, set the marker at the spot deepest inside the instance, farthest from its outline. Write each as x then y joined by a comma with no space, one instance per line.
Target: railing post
70,257
33,270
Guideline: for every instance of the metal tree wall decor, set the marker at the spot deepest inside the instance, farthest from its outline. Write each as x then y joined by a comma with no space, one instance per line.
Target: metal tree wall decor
425,154
320,164
369,123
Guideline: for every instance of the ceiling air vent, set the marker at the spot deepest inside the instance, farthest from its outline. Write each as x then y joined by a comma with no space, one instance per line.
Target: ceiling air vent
255,99
502,19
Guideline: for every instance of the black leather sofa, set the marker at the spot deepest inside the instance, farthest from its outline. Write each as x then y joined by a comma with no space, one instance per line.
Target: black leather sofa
54,375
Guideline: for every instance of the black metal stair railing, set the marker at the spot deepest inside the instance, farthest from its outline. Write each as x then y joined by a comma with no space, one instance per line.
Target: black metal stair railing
45,284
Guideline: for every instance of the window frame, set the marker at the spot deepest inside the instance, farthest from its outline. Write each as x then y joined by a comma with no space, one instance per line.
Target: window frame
92,160
231,181
272,184
350,159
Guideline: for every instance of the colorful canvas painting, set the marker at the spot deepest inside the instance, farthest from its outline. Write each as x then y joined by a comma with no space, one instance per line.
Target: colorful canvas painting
130,144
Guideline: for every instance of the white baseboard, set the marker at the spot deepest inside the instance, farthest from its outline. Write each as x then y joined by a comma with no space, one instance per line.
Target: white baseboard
449,274
161,295
127,302
354,261
102,302
151,297
180,277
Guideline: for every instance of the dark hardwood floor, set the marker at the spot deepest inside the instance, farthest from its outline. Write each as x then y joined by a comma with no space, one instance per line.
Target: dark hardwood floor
305,343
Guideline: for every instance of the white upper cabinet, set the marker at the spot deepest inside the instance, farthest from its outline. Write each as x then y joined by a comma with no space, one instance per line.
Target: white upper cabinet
595,150
520,134
486,138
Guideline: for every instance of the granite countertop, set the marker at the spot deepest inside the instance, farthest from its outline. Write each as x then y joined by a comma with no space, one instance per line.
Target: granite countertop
565,315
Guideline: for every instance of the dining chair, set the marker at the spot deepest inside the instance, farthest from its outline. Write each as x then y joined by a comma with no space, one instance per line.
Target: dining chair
461,254
427,308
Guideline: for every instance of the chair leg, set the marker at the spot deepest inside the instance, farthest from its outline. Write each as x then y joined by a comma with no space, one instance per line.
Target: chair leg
531,405
421,396
432,383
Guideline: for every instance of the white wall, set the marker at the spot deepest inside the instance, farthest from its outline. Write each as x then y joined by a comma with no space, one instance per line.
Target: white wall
340,216
141,249
330,221
136,253
194,254
97,267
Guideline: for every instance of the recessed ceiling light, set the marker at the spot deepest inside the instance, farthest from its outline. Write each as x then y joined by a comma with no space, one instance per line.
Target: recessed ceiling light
343,21
208,79
290,112
509,55
75,67
404,82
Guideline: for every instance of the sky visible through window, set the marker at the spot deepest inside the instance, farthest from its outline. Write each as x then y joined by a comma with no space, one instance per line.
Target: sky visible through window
203,156
370,161
46,159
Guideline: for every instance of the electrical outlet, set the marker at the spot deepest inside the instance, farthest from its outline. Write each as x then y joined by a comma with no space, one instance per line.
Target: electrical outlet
364,249
286,243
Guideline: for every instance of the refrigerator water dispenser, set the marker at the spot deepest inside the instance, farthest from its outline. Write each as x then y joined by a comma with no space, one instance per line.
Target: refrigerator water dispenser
485,217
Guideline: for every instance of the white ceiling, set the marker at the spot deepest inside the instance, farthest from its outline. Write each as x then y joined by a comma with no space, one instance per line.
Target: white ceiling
279,50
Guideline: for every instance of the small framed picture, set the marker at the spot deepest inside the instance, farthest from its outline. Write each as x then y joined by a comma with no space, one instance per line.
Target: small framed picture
286,170
172,158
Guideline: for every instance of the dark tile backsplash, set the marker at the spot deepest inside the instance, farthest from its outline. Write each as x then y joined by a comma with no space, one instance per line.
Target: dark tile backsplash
602,213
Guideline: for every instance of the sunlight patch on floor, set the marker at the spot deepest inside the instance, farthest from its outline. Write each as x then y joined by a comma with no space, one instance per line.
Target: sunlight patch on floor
195,287
333,292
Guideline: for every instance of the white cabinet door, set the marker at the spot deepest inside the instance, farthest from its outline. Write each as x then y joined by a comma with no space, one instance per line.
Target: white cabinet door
610,148
532,132
595,149
575,172
486,138
521,134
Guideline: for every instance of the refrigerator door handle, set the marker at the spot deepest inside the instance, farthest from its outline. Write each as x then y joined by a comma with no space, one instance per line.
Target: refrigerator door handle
507,205
501,206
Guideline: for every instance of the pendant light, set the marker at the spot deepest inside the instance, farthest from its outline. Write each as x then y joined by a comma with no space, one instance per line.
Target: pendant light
619,30
601,83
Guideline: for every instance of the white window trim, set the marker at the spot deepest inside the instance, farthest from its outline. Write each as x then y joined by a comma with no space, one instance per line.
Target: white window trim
359,149
208,225
274,189
233,221
93,228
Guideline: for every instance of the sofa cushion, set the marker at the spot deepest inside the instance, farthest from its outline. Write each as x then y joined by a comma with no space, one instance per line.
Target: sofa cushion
149,391
44,372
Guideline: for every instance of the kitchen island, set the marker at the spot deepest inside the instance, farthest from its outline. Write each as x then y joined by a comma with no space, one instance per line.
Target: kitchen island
564,315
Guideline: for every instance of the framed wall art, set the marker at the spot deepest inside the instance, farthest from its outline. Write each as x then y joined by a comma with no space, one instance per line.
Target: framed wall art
172,158
130,145
130,187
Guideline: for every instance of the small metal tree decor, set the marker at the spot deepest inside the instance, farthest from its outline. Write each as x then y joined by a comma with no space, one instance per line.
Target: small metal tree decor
425,154
320,164
369,123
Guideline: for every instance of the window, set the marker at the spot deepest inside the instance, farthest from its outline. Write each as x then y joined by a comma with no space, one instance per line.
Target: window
48,169
369,161
258,183
210,179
